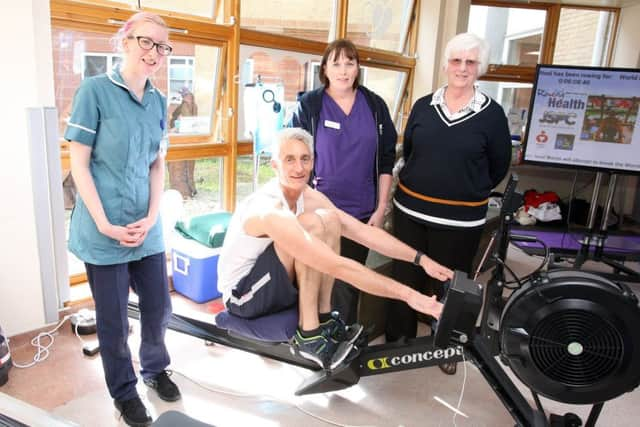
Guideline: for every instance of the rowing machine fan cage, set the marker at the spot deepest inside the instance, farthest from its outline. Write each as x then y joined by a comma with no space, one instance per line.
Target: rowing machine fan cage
573,336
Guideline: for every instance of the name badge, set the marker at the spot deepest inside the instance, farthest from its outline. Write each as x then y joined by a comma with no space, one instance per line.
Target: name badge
332,125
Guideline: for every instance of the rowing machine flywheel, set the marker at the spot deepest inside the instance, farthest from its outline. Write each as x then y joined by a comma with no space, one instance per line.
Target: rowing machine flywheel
573,336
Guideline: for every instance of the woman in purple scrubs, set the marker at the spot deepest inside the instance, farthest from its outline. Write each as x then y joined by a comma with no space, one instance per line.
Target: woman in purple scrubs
354,150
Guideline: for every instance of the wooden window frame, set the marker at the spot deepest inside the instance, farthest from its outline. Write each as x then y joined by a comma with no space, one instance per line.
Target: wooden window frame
526,74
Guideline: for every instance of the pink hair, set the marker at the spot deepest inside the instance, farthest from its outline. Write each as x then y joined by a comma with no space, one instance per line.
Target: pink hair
128,27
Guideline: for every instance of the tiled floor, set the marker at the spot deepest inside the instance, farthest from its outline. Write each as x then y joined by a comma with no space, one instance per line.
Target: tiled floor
226,387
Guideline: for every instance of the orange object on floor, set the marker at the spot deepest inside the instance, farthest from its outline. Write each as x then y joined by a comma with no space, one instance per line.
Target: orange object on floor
216,306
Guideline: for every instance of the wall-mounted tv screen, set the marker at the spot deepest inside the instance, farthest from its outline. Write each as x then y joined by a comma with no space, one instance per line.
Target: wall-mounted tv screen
584,117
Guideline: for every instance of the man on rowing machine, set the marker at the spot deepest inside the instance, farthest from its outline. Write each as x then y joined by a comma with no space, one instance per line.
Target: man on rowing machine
282,248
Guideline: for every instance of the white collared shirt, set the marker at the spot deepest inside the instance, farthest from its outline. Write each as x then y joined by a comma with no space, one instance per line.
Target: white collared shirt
474,105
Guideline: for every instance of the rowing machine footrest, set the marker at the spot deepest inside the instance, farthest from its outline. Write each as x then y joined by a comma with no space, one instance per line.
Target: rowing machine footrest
343,376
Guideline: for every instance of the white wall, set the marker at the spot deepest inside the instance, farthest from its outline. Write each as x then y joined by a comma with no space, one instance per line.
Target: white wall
427,48
440,20
27,76
627,51
627,55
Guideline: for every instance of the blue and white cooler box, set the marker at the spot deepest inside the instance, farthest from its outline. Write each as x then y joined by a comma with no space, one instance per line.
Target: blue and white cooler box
195,269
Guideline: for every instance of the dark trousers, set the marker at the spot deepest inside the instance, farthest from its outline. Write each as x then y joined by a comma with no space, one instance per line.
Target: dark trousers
110,288
345,297
453,248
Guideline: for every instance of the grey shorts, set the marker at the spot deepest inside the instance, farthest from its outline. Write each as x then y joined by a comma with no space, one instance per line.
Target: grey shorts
265,290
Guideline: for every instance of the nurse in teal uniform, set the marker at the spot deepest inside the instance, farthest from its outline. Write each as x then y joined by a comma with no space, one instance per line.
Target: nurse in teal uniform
118,140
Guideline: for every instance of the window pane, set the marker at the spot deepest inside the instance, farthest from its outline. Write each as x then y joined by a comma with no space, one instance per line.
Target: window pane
514,98
515,34
245,177
191,88
379,24
204,8
80,53
386,83
180,73
270,81
270,75
306,19
583,37
198,181
75,54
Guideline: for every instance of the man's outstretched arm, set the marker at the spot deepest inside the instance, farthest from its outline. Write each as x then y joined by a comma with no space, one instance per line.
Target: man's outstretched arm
284,229
386,244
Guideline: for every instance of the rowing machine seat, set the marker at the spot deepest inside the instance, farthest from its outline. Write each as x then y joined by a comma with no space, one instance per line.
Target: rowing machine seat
276,327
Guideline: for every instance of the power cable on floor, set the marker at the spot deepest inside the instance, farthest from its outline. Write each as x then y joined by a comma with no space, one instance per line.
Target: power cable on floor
456,410
464,383
42,347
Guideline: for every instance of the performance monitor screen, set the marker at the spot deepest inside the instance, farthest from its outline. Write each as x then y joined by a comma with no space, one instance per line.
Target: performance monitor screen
585,117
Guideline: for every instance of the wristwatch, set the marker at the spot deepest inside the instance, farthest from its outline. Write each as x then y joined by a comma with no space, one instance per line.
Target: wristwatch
418,257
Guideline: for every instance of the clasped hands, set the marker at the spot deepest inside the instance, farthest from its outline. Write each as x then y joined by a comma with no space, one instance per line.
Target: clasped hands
130,235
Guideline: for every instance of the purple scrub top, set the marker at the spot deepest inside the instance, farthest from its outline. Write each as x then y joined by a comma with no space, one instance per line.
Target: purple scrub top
346,155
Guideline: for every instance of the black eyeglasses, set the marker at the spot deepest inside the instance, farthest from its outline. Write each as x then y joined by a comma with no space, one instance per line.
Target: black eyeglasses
147,44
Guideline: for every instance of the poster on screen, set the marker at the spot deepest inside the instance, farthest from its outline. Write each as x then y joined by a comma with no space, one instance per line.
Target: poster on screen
585,117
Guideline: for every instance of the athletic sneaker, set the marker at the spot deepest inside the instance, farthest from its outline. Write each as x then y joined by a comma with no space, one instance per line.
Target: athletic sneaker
339,331
320,349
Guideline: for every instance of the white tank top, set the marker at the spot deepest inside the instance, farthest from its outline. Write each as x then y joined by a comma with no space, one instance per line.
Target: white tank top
240,250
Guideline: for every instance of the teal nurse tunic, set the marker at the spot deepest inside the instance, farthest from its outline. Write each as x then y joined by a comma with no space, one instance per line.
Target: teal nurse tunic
126,136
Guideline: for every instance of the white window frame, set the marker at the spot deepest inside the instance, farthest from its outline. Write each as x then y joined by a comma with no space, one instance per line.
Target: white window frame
502,86
108,55
190,62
